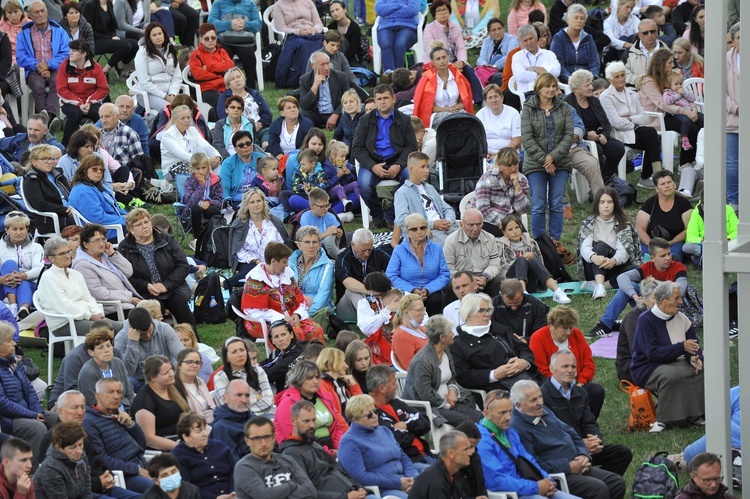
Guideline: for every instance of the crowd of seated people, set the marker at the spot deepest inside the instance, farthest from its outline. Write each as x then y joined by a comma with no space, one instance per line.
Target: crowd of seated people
447,302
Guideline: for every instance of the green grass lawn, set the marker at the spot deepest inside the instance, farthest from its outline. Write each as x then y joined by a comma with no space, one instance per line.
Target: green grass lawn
614,415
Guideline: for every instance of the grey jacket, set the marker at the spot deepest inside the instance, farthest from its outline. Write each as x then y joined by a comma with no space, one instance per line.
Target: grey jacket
59,476
279,478
67,376
124,16
408,200
238,234
103,282
534,136
85,31
134,353
90,374
423,379
460,253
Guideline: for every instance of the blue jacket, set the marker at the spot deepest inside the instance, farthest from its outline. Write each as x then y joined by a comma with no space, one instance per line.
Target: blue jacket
407,274
211,471
220,9
332,175
25,55
96,206
500,472
699,445
318,282
231,173
229,427
118,447
553,443
17,397
274,135
263,110
7,316
486,57
345,129
395,14
572,59
18,144
372,456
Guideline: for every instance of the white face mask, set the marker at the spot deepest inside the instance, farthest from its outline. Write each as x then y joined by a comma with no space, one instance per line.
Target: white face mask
477,331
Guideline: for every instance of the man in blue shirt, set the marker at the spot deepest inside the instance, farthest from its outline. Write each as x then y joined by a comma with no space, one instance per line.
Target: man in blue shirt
321,90
125,109
382,143
36,134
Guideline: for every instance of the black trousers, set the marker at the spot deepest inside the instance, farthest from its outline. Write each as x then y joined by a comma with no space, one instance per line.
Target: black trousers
122,174
614,458
318,119
596,397
532,271
177,304
186,20
246,55
434,303
122,50
597,484
674,124
198,215
647,140
239,274
591,270
610,155
73,118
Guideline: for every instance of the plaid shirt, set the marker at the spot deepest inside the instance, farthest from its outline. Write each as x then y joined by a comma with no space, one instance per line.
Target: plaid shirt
42,42
123,143
495,199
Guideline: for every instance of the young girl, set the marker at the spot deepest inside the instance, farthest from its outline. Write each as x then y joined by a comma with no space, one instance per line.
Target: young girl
342,184
358,360
269,181
352,106
375,315
519,13
608,244
203,193
521,258
678,96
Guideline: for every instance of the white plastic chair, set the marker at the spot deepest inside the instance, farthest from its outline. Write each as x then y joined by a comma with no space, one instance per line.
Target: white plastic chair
462,206
513,87
400,380
697,86
203,106
564,87
26,100
396,365
118,306
363,206
266,341
274,35
81,221
580,184
132,84
668,139
70,342
204,13
435,431
558,477
48,214
417,48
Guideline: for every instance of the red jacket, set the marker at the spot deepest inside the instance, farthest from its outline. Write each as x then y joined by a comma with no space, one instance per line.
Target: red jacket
424,95
8,491
78,86
283,419
208,68
543,347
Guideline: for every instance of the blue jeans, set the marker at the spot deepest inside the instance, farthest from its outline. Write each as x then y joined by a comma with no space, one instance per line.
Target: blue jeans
617,305
138,483
733,179
547,195
393,492
23,291
119,492
394,42
675,249
367,183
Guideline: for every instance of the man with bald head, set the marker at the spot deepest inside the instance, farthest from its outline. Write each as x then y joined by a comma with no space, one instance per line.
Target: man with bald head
120,141
231,416
474,250
637,57
321,90
126,113
41,47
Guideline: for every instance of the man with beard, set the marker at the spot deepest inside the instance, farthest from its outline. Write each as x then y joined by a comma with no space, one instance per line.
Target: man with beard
330,480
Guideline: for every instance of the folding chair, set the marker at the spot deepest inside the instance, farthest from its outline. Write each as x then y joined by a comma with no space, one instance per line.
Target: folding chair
184,224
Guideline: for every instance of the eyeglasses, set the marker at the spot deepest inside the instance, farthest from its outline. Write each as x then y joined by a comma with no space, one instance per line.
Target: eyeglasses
235,107
99,169
648,32
323,206
209,38
63,253
98,240
261,438
48,160
242,145
709,481
193,362
486,311
418,229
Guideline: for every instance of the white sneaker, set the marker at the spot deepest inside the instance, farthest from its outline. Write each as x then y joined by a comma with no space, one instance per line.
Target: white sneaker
599,292
347,216
588,286
348,205
13,307
560,297
657,427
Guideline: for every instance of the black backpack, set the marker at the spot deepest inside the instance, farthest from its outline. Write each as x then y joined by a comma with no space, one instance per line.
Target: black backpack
552,261
626,193
213,243
270,53
656,478
209,301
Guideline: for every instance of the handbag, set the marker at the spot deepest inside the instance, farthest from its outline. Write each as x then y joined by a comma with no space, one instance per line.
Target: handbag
642,410
658,230
525,468
231,37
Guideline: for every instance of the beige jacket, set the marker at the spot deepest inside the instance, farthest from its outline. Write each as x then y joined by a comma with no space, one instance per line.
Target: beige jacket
618,104
477,257
733,92
637,62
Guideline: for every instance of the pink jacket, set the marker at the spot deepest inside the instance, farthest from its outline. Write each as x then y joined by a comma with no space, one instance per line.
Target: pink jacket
653,100
12,31
283,419
436,31
517,18
290,16
733,92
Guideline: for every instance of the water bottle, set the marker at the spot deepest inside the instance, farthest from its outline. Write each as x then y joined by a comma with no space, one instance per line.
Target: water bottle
212,303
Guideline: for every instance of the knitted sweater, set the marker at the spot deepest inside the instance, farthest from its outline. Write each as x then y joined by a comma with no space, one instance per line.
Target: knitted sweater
543,346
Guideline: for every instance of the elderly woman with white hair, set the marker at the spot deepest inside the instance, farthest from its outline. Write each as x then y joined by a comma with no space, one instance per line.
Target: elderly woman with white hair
181,140
432,377
313,271
487,355
629,121
627,328
668,360
418,265
22,262
63,290
575,49
595,121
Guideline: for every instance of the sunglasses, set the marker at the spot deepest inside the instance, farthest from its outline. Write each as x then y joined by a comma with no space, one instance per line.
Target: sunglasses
368,415
243,145
649,32
209,38
418,229
496,395
97,169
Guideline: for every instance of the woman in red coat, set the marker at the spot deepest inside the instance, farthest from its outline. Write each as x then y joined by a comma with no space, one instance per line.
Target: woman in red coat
82,86
208,63
561,332
442,90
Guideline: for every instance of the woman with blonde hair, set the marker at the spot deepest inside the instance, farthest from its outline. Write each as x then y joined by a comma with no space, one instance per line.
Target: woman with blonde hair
409,336
182,140
688,62
343,386
188,339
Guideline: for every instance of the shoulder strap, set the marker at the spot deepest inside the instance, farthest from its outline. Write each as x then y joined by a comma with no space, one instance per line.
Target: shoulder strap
505,449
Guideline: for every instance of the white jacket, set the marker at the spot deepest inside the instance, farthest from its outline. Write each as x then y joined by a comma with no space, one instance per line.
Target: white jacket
618,104
155,76
176,147
29,256
66,293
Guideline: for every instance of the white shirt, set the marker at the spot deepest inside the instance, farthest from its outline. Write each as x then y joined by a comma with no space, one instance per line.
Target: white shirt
524,59
428,204
138,15
500,129
448,96
288,141
450,312
614,30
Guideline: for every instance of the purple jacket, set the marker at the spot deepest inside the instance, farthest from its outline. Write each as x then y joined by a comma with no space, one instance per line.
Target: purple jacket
196,193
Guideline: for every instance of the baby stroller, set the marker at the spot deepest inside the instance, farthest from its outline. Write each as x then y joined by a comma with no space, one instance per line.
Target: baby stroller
461,156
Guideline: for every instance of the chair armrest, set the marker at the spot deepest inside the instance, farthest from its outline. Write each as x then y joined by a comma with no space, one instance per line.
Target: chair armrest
117,304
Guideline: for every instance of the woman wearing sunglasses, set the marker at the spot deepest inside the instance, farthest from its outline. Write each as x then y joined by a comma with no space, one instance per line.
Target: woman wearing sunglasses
89,197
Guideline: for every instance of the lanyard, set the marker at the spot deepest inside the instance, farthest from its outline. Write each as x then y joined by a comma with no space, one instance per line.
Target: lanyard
281,290
536,58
